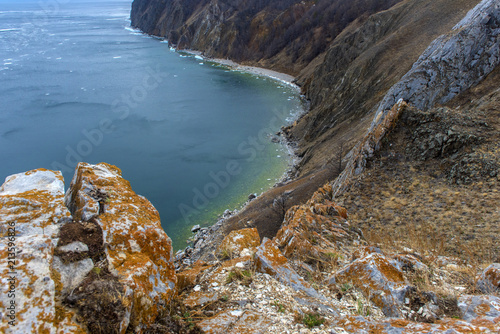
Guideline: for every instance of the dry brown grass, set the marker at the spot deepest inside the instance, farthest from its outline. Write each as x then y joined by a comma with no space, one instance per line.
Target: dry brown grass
403,204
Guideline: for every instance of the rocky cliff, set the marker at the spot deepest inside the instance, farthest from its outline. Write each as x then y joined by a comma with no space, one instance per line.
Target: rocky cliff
282,34
93,260
363,56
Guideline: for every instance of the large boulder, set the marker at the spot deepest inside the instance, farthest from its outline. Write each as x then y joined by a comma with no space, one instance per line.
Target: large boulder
32,212
138,253
269,260
239,240
379,278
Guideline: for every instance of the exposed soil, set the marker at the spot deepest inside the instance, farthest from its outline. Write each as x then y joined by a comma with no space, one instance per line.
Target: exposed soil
89,233
261,213
100,302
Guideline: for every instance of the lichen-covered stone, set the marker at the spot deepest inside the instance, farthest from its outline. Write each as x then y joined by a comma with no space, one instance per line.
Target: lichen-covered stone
489,280
316,230
32,211
189,276
480,309
379,278
200,298
355,325
236,241
411,263
364,251
269,260
138,251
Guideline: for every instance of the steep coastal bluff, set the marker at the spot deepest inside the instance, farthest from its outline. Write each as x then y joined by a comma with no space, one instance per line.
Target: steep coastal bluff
396,232
366,49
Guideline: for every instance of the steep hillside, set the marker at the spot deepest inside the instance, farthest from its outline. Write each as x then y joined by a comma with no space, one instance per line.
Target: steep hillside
358,69
370,62
284,35
396,232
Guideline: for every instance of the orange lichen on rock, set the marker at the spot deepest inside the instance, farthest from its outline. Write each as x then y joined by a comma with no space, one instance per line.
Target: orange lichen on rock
358,324
138,250
32,211
236,241
187,278
379,278
200,298
235,322
269,260
316,230
489,280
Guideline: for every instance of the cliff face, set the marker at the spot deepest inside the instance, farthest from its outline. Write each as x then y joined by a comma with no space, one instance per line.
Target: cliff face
102,266
405,259
284,35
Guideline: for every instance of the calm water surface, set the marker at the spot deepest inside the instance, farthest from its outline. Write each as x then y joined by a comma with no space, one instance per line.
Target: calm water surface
77,84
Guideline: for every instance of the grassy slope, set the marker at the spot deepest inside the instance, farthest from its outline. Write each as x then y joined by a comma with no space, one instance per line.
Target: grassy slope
402,201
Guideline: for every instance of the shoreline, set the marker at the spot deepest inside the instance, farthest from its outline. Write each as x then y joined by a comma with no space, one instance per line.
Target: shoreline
207,236
260,71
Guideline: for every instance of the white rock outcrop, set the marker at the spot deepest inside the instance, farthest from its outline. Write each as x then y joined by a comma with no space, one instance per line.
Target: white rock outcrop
32,211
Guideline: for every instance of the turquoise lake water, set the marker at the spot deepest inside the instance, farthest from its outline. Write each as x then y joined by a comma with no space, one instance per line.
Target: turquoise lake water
77,84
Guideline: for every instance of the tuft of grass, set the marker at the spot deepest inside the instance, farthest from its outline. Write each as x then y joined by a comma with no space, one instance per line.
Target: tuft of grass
279,306
334,256
362,309
346,287
225,254
243,276
312,320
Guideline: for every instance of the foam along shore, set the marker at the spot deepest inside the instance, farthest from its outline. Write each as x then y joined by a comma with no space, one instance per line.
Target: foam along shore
282,77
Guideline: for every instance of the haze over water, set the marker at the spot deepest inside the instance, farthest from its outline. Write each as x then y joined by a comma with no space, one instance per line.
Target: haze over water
77,84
